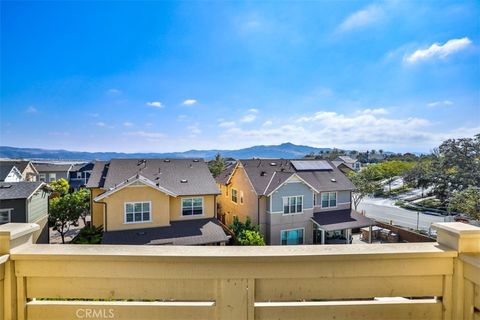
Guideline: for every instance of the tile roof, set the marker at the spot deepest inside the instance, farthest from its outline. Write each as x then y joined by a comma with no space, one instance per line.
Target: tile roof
18,190
180,176
268,174
189,232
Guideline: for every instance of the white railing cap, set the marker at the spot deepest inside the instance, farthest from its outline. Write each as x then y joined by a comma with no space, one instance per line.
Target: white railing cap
17,230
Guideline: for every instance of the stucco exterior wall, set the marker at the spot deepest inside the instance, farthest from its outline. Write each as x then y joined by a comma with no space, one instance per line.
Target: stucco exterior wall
96,209
176,208
115,210
249,208
292,189
343,201
279,222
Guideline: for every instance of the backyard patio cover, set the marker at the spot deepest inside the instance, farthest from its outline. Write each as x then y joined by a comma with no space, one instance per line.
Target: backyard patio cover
341,219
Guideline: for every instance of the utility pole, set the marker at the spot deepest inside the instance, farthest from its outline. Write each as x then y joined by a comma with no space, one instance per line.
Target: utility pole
418,218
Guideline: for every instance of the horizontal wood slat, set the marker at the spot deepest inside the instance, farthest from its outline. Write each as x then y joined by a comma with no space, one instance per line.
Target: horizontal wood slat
347,288
369,310
223,270
109,288
68,310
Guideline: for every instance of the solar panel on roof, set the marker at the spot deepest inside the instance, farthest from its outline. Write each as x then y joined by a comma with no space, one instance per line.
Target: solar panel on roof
311,165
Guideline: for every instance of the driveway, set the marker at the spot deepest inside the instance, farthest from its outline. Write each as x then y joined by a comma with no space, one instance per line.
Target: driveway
384,210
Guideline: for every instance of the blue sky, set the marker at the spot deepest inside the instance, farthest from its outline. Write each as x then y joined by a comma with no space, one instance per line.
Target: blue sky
173,76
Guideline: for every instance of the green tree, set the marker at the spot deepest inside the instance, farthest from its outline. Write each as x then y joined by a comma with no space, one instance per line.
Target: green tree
251,238
217,165
246,233
419,175
60,187
365,183
84,198
466,201
64,212
390,170
456,166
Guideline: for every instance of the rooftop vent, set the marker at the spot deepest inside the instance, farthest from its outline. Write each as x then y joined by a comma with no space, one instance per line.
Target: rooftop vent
140,162
141,233
273,164
183,181
166,160
5,186
263,173
333,180
195,160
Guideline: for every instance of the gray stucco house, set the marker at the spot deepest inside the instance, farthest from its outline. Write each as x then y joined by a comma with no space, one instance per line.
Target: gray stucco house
293,201
25,202
49,172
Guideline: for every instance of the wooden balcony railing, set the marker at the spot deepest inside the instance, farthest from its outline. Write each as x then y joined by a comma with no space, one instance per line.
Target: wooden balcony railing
371,281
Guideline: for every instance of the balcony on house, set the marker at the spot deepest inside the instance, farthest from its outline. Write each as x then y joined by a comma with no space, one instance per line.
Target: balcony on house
366,281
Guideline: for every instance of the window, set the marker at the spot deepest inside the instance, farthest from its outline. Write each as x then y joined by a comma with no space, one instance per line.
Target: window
293,204
137,212
234,196
79,175
192,206
329,199
52,177
294,236
5,216
42,177
241,197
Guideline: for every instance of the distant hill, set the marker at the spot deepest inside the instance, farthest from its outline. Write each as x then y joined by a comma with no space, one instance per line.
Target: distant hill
284,150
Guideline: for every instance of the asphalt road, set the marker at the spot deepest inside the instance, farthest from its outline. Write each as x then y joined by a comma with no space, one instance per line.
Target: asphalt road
384,210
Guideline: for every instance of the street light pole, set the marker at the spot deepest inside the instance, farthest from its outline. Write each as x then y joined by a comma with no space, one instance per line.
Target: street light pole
418,218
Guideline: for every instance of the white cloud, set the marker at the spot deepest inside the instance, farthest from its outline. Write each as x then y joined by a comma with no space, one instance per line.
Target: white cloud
156,104
362,18
437,50
267,123
102,124
252,110
189,102
149,136
226,124
114,91
128,124
31,110
378,111
194,129
444,103
248,118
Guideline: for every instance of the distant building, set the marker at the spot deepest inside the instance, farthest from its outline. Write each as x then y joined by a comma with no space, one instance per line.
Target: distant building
25,202
79,175
49,172
26,168
348,162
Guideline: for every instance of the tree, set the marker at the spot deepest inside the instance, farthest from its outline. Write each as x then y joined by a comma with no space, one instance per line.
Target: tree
390,170
251,238
365,183
84,198
419,175
65,212
217,165
246,234
60,187
466,201
456,166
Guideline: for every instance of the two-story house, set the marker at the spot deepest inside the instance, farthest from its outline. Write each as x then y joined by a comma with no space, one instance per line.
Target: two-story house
293,201
27,170
155,201
52,171
79,175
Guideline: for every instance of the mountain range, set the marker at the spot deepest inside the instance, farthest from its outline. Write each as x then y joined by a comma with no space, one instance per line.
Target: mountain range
284,150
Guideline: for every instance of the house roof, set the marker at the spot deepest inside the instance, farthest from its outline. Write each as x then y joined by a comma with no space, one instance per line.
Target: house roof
341,219
82,166
223,177
20,164
179,176
188,232
346,159
18,190
4,171
267,175
52,167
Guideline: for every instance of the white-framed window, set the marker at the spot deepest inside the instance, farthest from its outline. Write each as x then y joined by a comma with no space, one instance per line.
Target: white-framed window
234,196
241,197
292,204
42,177
5,216
192,206
292,236
79,175
137,212
52,177
329,199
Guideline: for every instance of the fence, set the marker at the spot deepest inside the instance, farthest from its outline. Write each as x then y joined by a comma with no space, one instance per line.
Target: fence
366,281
